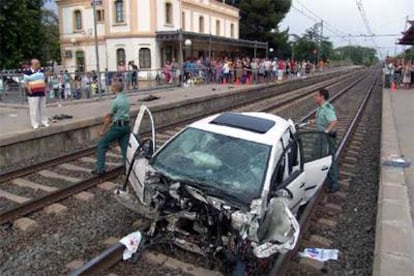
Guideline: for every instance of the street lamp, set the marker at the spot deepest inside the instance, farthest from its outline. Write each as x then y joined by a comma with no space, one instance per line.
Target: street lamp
188,43
271,50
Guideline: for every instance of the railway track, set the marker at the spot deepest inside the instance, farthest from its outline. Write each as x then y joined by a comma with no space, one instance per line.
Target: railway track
280,104
321,214
50,170
348,122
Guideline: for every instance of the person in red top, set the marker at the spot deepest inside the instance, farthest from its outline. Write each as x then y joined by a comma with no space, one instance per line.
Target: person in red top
280,70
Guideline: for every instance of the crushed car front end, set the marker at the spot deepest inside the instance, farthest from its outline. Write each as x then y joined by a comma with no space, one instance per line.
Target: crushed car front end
205,190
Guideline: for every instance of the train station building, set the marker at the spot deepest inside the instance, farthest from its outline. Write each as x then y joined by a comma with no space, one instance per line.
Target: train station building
148,32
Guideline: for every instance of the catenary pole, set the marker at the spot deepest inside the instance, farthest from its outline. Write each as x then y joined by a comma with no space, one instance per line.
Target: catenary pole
98,71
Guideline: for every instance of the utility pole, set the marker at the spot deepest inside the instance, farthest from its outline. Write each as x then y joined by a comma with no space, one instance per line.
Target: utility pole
96,49
319,43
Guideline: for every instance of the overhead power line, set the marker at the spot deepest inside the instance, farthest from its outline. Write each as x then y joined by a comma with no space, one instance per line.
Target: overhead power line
301,8
366,23
366,35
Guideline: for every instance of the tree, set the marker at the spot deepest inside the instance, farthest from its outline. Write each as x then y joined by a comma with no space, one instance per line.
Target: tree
312,41
25,32
259,21
356,54
50,29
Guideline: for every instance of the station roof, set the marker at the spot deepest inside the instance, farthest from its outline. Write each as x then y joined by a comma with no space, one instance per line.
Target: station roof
182,35
408,35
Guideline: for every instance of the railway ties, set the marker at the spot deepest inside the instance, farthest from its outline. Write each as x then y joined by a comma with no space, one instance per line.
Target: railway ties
164,136
330,209
34,191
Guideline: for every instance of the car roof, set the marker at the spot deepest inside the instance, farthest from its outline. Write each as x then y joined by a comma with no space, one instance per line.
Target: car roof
259,127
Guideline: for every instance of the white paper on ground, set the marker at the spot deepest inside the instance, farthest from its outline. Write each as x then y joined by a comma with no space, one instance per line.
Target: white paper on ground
320,254
131,243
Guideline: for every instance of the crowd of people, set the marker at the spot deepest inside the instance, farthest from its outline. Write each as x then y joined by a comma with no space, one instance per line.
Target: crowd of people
237,70
62,85
398,73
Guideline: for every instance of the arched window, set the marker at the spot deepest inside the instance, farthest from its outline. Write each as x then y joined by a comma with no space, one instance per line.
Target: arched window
201,24
144,58
119,11
217,27
78,20
231,30
168,13
120,56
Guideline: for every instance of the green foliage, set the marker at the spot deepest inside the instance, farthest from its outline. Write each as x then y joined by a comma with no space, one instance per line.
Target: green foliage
259,20
407,54
312,40
356,54
24,34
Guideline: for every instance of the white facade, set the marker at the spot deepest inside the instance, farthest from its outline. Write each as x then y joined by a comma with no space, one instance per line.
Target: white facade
131,25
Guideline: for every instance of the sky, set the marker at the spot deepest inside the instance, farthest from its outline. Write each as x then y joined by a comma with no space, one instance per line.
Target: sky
342,17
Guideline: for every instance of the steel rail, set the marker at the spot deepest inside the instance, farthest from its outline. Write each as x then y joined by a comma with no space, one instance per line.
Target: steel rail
75,155
38,203
112,255
105,260
45,164
281,262
288,101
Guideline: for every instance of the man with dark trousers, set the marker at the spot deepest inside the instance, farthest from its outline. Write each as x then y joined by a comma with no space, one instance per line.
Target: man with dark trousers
326,121
116,127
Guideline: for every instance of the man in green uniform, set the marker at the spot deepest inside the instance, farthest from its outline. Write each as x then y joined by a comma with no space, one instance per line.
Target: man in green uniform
326,121
119,128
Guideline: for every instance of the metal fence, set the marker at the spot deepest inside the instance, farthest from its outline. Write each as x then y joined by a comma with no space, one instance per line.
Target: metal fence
73,86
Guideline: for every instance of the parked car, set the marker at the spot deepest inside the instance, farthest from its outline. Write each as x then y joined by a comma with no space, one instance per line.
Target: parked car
226,180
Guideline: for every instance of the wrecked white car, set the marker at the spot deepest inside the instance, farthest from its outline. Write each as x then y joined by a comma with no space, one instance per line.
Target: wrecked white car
231,183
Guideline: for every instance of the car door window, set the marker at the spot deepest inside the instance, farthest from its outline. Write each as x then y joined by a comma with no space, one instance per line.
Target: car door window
289,165
315,145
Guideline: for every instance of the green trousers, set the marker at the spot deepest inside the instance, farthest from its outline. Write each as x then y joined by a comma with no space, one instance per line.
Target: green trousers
333,171
115,133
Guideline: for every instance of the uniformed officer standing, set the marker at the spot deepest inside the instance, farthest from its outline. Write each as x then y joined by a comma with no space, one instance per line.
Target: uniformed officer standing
118,120
326,121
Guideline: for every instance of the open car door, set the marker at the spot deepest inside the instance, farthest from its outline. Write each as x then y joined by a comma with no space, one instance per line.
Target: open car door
138,152
317,157
279,231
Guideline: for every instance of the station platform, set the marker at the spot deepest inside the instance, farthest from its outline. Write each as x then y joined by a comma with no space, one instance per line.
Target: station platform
20,142
15,118
394,244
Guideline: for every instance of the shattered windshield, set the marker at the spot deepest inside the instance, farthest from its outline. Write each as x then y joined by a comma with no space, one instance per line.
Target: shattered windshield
235,166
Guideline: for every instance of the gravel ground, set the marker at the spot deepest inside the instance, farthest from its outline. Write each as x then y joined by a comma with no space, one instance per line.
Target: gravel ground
357,224
354,235
72,235
62,238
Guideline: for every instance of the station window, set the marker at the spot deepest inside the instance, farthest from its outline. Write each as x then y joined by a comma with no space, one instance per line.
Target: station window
201,24
100,16
78,20
168,13
120,56
80,61
119,11
144,58
217,27
183,20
